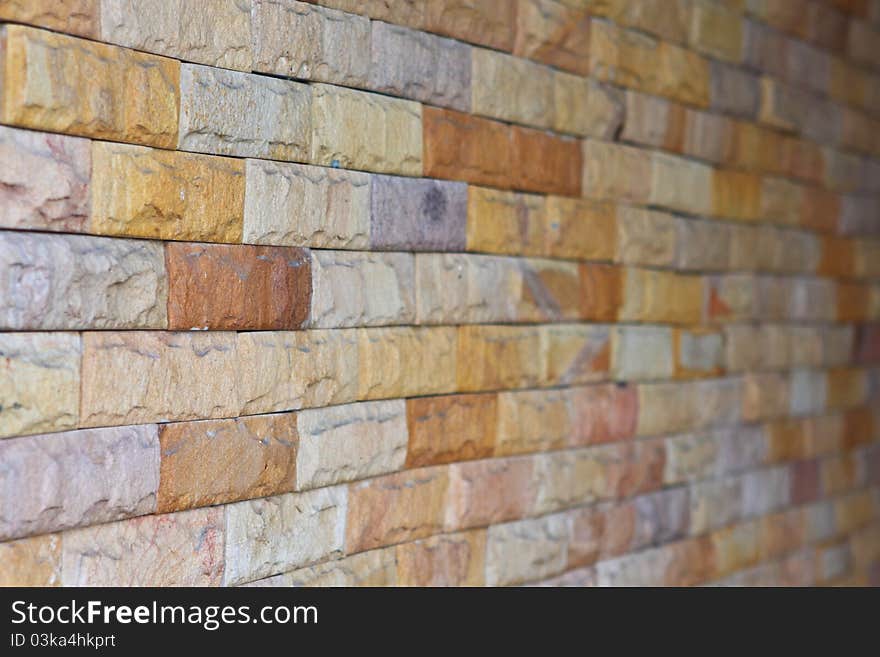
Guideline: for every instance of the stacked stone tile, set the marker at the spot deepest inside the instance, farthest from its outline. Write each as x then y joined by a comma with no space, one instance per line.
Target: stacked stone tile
454,292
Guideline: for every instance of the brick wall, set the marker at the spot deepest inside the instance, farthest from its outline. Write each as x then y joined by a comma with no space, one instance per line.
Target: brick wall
453,292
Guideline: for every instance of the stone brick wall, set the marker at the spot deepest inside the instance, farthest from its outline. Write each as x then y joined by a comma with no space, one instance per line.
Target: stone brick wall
447,292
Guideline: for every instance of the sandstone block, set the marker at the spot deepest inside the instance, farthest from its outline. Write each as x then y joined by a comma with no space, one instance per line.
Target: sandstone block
526,549
179,549
579,228
584,107
681,184
275,534
555,33
657,296
417,214
78,478
44,180
498,357
51,82
533,421
645,237
40,382
219,461
237,287
406,361
358,130
568,478
444,560
614,171
300,40
488,23
395,508
698,352
350,442
511,89
79,17
543,162
603,413
602,289
372,568
80,282
32,561
487,492
450,428
215,33
575,353
505,222
642,353
716,31
143,192
300,205
420,66
217,114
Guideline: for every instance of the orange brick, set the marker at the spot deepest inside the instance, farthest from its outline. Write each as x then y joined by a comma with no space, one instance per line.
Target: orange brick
450,428
463,147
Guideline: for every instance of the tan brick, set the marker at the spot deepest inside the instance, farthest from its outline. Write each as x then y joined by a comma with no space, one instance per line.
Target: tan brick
580,229
544,162
51,82
736,195
485,22
505,222
40,382
450,428
555,33
273,535
143,192
466,147
444,560
512,89
45,179
395,508
657,296
602,289
526,549
487,492
533,421
615,171
300,205
716,31
216,32
302,41
357,130
180,549
79,17
498,357
350,442
642,353
576,353
698,352
584,107
32,561
217,114
645,237
219,461
361,289
603,413
680,184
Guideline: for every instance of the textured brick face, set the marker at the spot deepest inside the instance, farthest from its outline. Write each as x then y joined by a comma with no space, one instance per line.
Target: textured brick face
221,287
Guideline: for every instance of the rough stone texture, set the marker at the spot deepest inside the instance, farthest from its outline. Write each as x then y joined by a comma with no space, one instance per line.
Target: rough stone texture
555,33
217,114
585,108
406,361
272,535
145,376
77,478
144,192
533,420
32,561
646,237
505,222
301,205
39,384
44,180
371,568
464,147
511,89
350,442
79,17
450,428
498,358
575,353
180,549
361,289
615,171
526,549
445,560
580,229
642,353
488,492
50,82
395,508
358,130
237,287
603,413
78,282
485,22
219,461
420,66
655,296
298,40
216,32
417,214
545,163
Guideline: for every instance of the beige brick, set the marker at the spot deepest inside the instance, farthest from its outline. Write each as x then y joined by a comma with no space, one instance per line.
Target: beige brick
444,560
526,549
681,184
708,245
645,237
78,478
505,222
555,33
658,296
300,40
361,289
406,361
51,82
81,282
575,353
358,130
300,205
716,31
580,229
212,32
532,421
618,172
144,192
217,461
40,382
512,89
584,107
79,17
179,549
665,408
273,535
32,561
642,353
350,442
395,508
498,357
217,114
487,492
